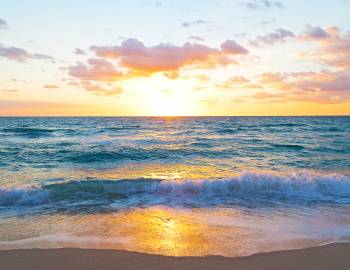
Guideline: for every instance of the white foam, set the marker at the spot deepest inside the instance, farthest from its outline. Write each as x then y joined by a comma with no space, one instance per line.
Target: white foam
306,185
334,188
23,196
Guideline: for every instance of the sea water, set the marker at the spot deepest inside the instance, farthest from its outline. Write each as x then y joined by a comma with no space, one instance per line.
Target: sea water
181,186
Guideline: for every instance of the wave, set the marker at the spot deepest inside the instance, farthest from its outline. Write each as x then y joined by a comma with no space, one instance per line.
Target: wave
29,132
227,131
288,146
121,128
328,129
137,154
121,154
283,125
242,189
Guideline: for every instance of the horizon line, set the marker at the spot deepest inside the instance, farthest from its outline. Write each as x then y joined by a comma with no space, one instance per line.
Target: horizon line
166,116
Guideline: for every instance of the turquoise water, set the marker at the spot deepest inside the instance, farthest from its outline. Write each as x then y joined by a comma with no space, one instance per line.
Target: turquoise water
221,174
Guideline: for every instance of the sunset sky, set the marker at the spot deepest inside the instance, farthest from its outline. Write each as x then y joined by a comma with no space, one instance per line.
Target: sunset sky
147,57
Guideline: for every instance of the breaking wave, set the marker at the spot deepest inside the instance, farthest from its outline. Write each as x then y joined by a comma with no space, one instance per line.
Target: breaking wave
295,188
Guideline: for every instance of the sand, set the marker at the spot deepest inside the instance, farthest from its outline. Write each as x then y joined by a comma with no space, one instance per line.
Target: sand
334,256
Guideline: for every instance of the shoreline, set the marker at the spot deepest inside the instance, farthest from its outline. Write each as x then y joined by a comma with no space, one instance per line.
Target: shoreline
331,256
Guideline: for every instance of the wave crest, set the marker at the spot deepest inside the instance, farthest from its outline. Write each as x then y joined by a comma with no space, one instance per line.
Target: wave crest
296,187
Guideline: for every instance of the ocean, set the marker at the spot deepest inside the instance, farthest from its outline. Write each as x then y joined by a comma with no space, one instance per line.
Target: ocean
180,186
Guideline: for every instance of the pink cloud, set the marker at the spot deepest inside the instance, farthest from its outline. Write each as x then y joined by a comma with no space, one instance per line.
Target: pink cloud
334,47
232,47
318,87
97,69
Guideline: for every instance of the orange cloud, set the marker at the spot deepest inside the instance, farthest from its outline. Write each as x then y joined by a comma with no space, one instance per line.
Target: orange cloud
102,91
133,59
233,82
135,56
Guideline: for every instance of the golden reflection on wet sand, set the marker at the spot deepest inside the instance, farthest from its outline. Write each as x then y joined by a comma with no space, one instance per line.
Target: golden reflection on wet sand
157,230
165,232
172,232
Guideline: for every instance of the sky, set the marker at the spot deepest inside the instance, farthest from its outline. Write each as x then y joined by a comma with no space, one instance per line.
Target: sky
174,58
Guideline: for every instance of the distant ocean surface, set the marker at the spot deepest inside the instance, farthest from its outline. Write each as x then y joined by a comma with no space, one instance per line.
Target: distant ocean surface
177,186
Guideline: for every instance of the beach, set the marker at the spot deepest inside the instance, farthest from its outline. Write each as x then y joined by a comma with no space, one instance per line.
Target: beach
333,256
155,134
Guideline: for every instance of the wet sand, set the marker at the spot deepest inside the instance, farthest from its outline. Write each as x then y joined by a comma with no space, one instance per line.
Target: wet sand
334,256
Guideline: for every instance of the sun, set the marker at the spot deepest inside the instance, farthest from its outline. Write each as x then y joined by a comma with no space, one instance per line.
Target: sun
172,103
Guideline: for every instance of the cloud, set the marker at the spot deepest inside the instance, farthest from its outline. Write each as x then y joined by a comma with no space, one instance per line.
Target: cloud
50,86
100,71
333,83
232,47
192,23
21,55
233,82
314,33
133,55
261,4
79,51
269,22
133,59
196,38
73,83
102,91
9,91
202,78
3,24
97,70
278,36
318,87
334,45
267,95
